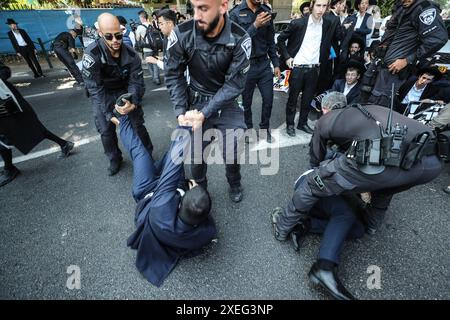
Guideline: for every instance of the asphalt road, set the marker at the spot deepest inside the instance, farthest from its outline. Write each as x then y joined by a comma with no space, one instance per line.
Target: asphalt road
63,212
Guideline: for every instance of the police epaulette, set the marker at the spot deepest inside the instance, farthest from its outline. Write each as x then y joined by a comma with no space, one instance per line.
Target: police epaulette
425,4
237,29
186,26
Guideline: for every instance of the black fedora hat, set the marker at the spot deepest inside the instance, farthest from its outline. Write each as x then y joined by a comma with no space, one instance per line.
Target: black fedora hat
433,70
10,21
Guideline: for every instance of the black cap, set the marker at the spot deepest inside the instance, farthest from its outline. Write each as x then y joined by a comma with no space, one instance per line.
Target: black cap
10,21
352,63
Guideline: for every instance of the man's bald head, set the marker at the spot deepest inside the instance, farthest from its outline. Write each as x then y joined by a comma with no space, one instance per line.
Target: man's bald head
107,21
109,30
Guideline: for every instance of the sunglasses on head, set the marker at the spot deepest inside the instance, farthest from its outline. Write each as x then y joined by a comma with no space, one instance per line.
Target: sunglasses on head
109,36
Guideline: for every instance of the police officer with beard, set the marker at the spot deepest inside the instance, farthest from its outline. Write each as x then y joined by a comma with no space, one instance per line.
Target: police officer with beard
110,70
414,33
382,156
216,51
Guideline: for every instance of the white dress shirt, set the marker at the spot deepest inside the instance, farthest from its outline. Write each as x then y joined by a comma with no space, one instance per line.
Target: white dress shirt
414,94
347,88
309,52
359,20
19,38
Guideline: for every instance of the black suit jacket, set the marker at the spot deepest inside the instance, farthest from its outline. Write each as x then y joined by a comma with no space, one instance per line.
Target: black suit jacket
430,92
25,37
295,33
339,86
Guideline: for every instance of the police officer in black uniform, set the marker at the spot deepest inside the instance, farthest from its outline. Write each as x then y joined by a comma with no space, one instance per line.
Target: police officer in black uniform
216,50
64,47
111,69
255,17
379,158
414,33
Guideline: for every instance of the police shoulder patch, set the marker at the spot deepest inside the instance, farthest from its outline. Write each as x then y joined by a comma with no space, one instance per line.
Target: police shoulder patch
427,17
88,61
247,47
171,39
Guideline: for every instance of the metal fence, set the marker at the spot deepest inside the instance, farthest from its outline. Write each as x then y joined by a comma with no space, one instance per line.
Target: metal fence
47,24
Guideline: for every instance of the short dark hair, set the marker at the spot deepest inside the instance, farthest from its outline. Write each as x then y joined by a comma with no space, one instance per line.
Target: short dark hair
304,5
122,20
333,3
195,206
168,14
354,69
143,13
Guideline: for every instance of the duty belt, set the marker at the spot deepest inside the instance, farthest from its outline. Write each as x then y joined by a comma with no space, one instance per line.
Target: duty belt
259,59
196,97
373,152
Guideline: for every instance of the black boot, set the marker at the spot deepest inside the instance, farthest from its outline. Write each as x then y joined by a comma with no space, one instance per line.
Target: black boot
114,167
236,194
328,279
8,175
299,232
65,150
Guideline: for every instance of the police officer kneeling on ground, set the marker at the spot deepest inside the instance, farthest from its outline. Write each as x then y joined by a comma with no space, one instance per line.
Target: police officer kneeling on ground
382,156
110,70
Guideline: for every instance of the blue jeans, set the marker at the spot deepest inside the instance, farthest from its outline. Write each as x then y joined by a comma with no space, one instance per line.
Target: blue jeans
152,68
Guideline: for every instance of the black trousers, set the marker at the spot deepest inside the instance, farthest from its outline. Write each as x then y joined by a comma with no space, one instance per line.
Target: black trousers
68,60
301,80
260,74
27,52
226,124
107,129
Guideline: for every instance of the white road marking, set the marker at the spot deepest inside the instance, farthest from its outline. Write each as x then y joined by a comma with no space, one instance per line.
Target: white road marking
51,150
160,89
282,139
39,94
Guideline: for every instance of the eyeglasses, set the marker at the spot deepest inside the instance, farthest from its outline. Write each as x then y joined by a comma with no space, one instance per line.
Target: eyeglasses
109,36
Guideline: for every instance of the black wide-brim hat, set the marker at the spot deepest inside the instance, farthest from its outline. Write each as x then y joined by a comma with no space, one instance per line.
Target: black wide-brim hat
358,40
352,63
433,70
10,21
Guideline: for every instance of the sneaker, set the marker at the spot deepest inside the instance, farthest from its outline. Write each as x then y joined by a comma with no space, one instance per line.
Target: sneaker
8,176
274,216
65,150
447,190
236,194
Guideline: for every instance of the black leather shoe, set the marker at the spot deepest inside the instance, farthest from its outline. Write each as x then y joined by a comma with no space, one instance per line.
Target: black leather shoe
235,194
330,282
114,167
305,128
299,232
65,151
8,176
447,190
290,131
274,216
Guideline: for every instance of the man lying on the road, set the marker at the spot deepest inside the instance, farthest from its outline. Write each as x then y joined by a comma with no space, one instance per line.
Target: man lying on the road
171,223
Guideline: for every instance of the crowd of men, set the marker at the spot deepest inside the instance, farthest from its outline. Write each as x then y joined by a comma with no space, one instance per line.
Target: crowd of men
357,146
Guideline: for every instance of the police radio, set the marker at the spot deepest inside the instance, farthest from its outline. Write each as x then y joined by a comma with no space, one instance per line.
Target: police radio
393,138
